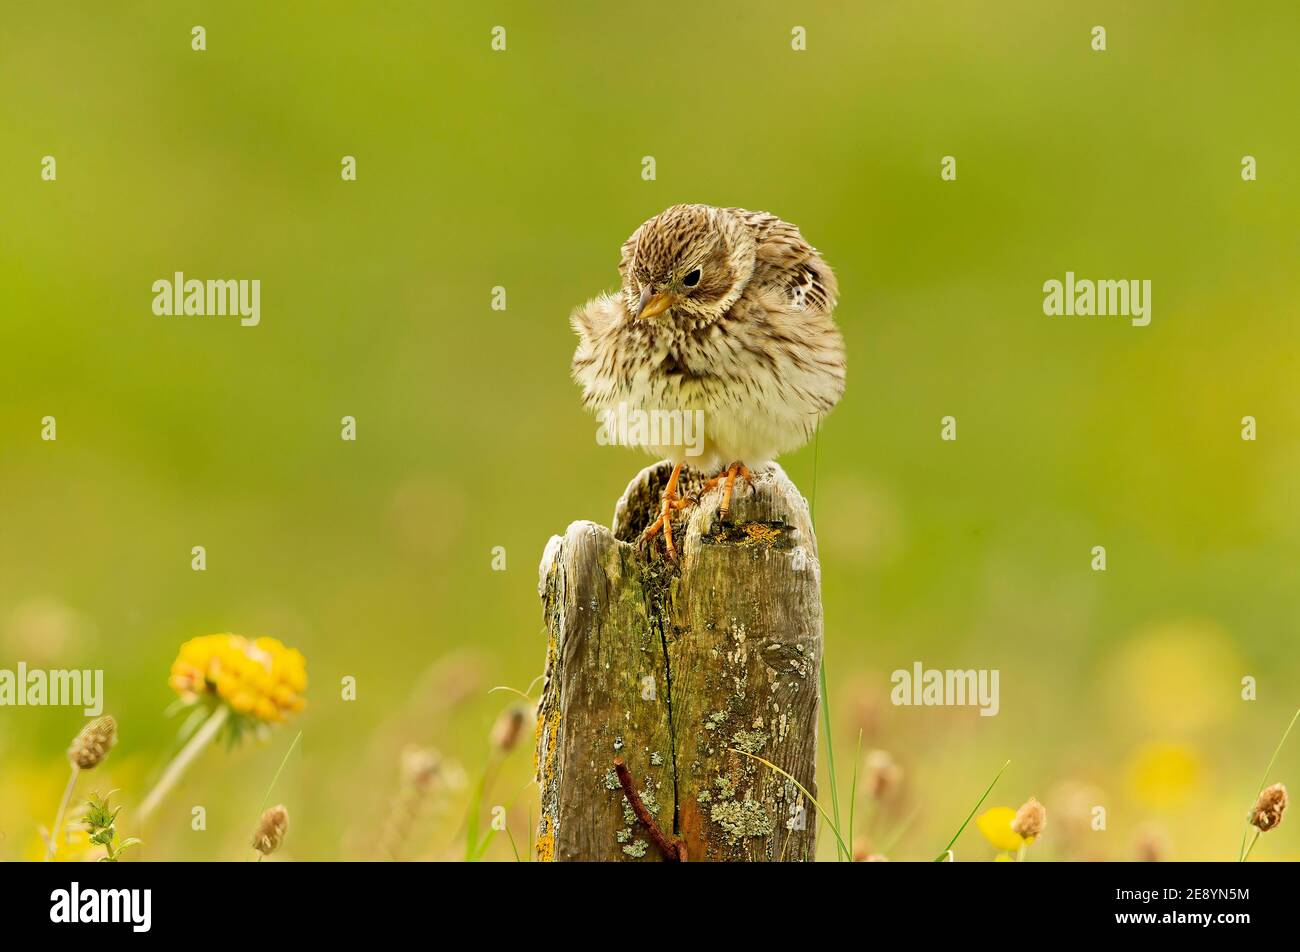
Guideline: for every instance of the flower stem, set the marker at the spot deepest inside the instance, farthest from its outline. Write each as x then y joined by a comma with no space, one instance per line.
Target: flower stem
1241,855
58,818
202,737
1246,855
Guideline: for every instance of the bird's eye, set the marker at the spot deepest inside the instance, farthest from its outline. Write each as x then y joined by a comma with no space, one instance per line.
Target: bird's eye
692,279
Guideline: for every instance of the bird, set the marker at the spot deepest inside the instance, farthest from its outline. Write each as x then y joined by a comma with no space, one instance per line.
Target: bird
725,314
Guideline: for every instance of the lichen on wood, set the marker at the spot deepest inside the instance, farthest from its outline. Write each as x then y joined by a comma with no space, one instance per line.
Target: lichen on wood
675,668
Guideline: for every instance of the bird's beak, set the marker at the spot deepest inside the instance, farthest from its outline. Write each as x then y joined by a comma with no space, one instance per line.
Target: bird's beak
652,305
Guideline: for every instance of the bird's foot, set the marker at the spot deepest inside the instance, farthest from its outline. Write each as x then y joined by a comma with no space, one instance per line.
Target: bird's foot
672,502
728,479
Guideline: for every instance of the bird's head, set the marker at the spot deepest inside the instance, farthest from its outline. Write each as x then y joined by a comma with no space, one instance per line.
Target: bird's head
689,263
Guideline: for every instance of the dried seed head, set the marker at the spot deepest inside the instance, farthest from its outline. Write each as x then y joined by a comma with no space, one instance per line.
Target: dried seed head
421,768
270,831
1030,819
1152,845
1074,810
509,727
90,747
1269,808
882,774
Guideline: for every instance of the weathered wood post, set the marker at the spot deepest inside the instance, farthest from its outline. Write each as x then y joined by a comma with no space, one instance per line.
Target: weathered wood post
671,670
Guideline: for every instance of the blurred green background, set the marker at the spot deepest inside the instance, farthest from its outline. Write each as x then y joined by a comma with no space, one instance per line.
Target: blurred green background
522,169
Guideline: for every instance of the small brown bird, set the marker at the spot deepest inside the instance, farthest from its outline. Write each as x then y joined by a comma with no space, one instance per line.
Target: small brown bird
725,315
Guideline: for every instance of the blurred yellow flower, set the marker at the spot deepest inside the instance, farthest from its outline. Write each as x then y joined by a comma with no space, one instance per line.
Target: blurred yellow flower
1168,678
995,824
261,679
74,847
1163,775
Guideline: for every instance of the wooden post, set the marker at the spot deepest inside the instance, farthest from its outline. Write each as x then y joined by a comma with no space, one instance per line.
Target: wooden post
672,669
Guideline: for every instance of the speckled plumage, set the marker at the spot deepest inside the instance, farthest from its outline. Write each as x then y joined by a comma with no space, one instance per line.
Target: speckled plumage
751,343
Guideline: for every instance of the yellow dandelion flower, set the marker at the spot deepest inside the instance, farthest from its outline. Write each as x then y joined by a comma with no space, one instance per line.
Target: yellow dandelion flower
249,684
995,824
261,679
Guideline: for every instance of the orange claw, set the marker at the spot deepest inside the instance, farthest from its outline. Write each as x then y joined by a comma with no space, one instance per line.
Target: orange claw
665,522
729,474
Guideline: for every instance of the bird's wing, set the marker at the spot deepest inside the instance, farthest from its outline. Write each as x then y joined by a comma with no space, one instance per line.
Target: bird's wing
597,318
596,360
602,314
787,262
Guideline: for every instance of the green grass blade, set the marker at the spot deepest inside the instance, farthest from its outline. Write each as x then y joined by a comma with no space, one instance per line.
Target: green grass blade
280,770
477,852
843,852
1241,855
830,755
820,809
974,810
853,788
471,820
